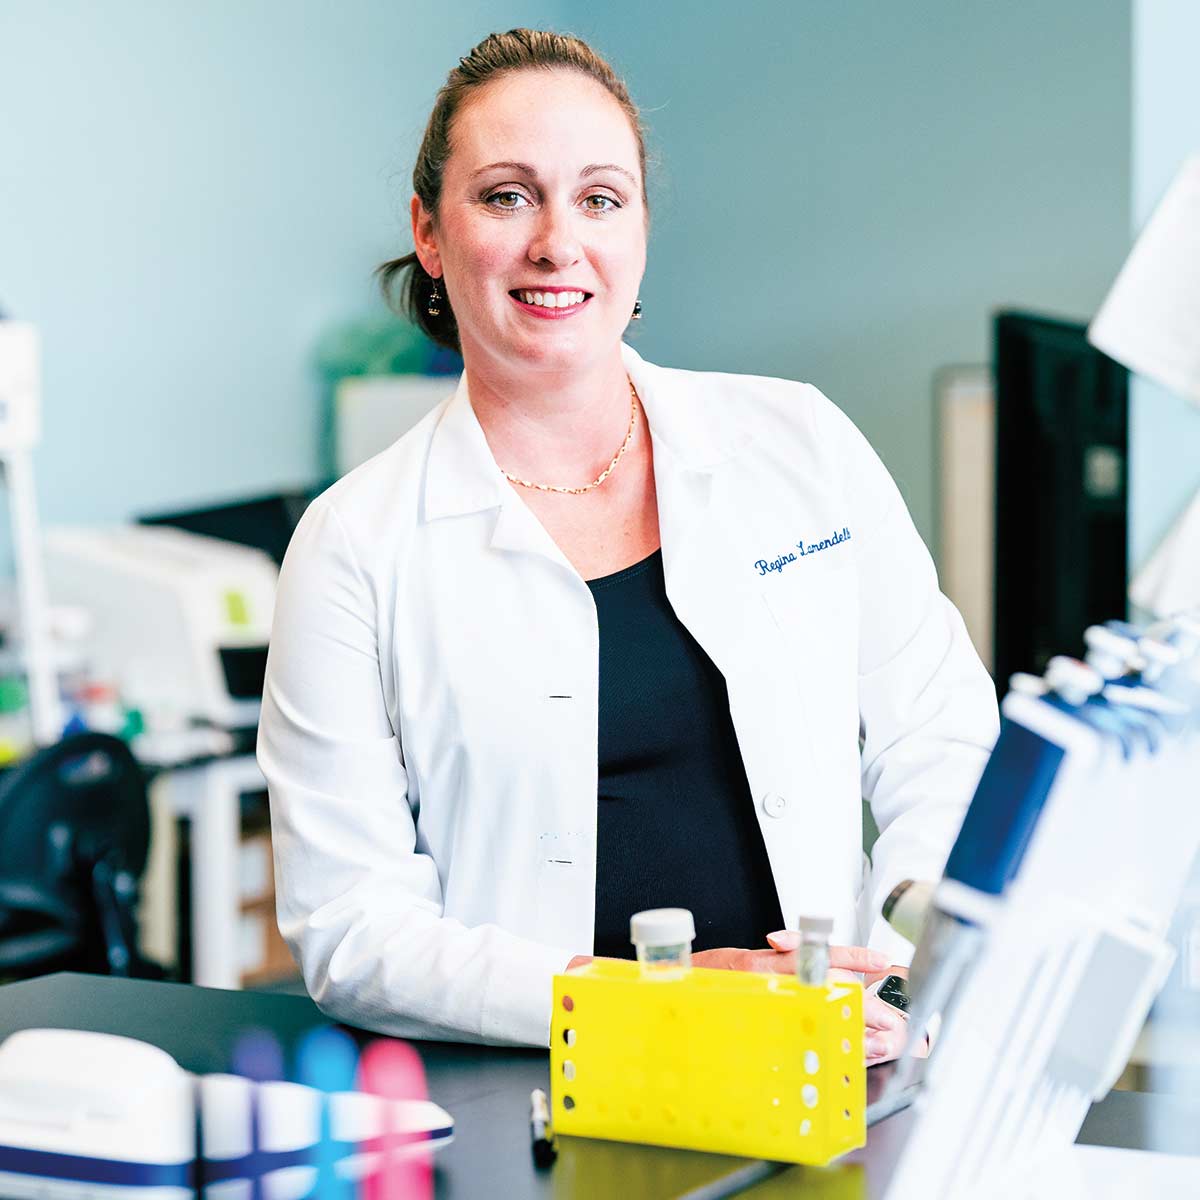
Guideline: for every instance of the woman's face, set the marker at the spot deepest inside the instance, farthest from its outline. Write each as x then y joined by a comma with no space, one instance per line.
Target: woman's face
542,193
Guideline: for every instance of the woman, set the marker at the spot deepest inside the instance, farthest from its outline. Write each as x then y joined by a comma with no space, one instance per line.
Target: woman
596,635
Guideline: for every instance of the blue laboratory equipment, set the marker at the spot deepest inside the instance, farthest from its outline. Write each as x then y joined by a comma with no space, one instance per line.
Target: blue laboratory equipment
1045,942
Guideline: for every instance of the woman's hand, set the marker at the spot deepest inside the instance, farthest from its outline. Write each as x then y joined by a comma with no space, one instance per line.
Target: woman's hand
886,1028
781,958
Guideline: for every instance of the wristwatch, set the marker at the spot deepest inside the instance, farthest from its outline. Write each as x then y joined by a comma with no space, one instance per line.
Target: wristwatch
891,990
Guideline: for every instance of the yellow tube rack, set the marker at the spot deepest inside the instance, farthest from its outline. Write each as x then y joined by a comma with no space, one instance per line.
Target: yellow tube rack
726,1061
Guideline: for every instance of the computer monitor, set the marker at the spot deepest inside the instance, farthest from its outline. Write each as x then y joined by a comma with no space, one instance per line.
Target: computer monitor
1061,490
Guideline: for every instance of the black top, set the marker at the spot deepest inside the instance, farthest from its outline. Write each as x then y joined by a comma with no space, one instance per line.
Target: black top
676,826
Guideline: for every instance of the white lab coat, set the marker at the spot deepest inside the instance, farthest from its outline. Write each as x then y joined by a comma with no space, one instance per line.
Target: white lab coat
429,723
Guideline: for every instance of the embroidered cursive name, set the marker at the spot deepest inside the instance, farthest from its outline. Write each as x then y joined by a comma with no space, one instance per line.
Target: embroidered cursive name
764,566
814,547
777,565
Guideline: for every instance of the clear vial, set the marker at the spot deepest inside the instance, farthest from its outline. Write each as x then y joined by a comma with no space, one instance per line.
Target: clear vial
812,955
663,938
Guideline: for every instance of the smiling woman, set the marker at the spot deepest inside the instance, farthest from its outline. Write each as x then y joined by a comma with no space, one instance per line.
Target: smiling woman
528,674
511,185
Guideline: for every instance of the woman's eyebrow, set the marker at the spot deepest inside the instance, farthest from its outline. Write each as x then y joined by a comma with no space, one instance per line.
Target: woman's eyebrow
596,168
524,168
528,169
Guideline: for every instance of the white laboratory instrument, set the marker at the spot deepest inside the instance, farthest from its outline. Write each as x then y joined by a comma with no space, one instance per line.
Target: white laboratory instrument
20,430
180,625
95,1111
1045,943
181,621
86,1114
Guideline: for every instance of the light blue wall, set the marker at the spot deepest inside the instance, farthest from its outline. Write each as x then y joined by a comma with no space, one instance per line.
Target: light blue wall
189,195
850,189
1164,429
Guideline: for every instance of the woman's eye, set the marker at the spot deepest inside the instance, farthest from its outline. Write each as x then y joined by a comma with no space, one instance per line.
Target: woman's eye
607,203
507,200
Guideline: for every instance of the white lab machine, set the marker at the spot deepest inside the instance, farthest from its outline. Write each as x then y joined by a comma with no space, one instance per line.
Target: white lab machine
181,621
181,624
91,1114
20,431
1046,943
87,1115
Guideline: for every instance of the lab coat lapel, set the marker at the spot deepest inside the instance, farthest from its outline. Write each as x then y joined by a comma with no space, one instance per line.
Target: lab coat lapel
463,478
693,444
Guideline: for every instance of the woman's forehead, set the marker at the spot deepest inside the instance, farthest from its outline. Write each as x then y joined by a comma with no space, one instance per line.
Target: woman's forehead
550,119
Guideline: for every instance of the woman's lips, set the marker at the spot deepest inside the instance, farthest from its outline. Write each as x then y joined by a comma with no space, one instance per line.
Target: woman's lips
549,314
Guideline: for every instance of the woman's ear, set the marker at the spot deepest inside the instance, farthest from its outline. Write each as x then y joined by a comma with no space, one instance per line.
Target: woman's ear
425,239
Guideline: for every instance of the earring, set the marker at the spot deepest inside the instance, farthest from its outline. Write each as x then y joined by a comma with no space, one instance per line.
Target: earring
432,308
637,310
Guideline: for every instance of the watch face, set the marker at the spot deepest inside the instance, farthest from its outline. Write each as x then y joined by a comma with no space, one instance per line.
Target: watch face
891,990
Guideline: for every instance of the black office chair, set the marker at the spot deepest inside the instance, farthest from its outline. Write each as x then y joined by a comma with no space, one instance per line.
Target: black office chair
74,835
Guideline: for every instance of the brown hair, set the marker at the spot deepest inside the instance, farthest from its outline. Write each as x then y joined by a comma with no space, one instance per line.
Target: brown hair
498,54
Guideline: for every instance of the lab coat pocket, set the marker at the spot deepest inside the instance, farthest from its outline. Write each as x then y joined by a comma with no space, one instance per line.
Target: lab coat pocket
814,607
813,594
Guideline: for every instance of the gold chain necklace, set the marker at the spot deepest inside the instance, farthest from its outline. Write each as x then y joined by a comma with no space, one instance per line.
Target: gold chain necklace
587,487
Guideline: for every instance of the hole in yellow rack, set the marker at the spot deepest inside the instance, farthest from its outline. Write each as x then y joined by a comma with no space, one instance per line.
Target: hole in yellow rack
809,1094
569,1036
568,1069
568,1004
846,1080
846,1113
845,1045
568,1102
845,1011
812,1062
805,1127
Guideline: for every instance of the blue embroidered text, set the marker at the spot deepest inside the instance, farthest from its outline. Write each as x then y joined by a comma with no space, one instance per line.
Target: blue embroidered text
763,566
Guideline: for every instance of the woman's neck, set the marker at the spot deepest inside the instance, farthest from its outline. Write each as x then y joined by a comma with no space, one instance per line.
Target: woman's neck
553,427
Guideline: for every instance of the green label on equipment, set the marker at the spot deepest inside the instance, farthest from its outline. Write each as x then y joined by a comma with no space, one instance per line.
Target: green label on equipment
236,609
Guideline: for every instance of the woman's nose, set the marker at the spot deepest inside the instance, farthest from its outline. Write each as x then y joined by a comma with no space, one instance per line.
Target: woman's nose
554,241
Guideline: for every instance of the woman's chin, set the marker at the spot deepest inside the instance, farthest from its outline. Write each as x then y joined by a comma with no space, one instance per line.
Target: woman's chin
558,352
552,349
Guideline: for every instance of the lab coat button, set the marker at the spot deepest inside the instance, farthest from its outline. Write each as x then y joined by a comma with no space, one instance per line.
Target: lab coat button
774,805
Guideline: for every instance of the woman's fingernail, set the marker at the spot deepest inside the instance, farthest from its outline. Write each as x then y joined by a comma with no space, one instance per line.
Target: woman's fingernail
783,939
879,960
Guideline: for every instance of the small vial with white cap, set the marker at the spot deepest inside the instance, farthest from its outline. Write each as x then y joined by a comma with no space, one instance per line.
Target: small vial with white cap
663,937
812,954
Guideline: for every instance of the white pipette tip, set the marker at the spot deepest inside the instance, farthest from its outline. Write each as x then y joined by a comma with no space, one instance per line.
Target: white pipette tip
1073,680
1110,653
